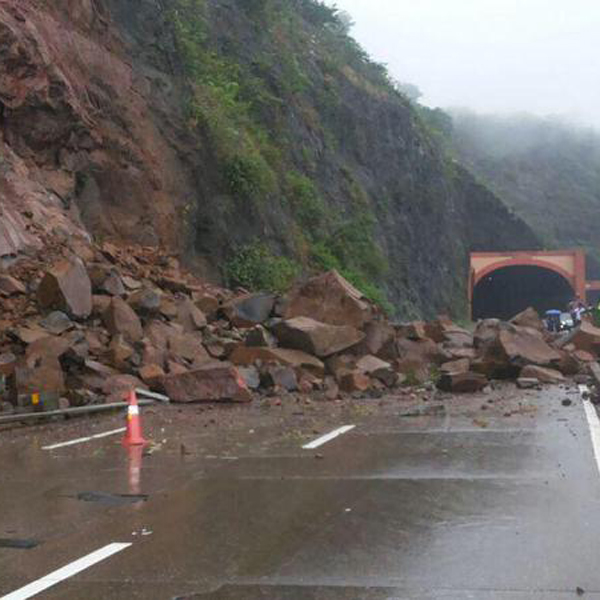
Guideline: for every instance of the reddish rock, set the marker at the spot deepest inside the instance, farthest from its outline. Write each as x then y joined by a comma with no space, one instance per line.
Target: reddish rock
46,349
145,301
525,383
456,366
100,304
355,381
249,310
130,283
260,337
331,299
412,331
380,338
207,303
436,330
583,356
168,308
120,318
529,318
567,364
190,316
458,353
316,338
9,286
244,355
188,346
119,352
175,368
283,377
340,364
217,349
152,375
543,375
57,322
332,389
67,287
117,387
513,348
151,355
97,340
30,334
158,333
587,337
212,383
174,284
113,285
418,358
43,377
486,332
462,383
378,369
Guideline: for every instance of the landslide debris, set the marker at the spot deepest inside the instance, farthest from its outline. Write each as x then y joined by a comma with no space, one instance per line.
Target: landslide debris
166,330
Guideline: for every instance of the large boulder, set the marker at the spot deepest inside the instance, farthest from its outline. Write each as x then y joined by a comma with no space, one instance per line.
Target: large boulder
145,301
587,337
316,338
379,369
41,371
380,338
462,365
331,299
528,318
249,310
120,318
418,358
444,331
190,316
187,346
513,348
67,287
213,382
414,330
246,356
542,374
462,383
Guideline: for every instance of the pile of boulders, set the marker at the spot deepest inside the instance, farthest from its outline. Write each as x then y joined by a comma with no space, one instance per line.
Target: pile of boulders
85,327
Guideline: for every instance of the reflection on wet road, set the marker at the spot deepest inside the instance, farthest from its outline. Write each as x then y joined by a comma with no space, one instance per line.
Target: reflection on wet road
491,503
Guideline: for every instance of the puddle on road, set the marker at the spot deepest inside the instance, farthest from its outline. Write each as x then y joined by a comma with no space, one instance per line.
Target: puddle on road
111,499
17,544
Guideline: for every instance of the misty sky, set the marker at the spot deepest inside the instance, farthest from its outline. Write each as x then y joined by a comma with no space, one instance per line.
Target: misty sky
540,56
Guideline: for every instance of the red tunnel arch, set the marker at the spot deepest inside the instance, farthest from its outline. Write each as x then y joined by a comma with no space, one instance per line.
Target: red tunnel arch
524,262
569,264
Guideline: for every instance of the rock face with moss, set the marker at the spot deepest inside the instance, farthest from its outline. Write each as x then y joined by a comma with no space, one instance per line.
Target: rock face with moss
254,137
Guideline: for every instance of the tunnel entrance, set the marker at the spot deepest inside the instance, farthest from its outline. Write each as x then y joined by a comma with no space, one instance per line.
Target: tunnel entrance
505,292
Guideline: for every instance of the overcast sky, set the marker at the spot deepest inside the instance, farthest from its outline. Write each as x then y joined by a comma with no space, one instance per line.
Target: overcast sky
540,56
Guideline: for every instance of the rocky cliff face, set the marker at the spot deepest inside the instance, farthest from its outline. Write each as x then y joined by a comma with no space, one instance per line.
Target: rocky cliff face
232,132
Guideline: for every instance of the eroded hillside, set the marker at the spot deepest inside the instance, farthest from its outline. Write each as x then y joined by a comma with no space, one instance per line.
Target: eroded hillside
254,138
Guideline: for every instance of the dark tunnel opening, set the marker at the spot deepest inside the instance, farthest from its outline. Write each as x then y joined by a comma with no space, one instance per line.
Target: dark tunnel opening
509,290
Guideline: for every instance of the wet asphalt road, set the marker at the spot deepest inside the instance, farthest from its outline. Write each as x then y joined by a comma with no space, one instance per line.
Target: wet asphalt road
495,504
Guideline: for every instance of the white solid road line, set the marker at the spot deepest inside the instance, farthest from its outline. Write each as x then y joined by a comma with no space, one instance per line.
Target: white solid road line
327,438
65,572
85,439
593,422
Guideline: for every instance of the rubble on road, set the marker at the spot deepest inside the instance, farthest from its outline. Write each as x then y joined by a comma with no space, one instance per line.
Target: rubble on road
82,324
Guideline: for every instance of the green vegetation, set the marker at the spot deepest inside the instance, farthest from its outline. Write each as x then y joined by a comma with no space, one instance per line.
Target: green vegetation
256,268
240,103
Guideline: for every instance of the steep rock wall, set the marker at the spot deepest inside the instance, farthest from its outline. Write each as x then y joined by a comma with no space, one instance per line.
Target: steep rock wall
208,125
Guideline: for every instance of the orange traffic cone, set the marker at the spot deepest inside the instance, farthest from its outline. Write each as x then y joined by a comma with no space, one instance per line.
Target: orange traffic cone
133,435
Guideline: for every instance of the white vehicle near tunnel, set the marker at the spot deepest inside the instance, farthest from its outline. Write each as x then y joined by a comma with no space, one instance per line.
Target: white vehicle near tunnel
566,321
